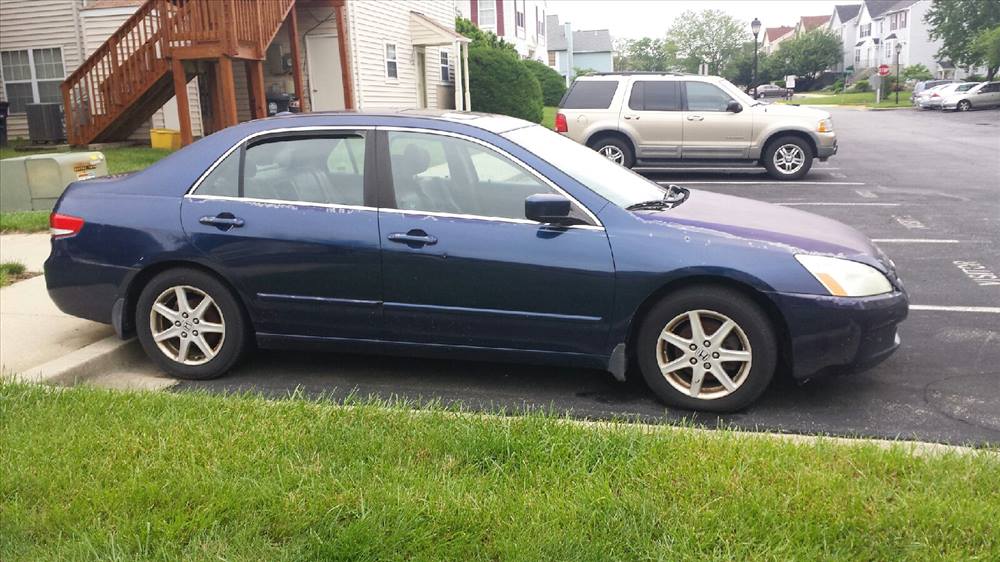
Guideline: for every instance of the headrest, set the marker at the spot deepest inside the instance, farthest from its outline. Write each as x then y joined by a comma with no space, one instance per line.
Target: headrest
415,160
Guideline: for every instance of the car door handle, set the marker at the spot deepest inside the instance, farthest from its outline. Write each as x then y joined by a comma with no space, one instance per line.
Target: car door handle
415,237
224,221
695,118
636,117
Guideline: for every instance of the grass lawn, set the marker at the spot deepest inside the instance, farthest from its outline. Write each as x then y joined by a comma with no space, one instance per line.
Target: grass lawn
24,221
94,474
10,271
549,116
853,98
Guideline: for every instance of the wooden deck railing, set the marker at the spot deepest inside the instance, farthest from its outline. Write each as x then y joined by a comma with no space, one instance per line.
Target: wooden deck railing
136,56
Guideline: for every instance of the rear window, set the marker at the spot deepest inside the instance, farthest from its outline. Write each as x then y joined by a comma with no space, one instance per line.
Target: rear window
655,95
590,94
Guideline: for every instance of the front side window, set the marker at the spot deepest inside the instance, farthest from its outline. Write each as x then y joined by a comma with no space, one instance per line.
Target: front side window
443,174
655,95
702,96
32,76
391,65
327,169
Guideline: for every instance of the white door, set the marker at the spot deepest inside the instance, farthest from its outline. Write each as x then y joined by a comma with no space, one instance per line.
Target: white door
326,86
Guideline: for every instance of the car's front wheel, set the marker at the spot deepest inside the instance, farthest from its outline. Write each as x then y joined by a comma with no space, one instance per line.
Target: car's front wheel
788,158
190,324
616,150
707,349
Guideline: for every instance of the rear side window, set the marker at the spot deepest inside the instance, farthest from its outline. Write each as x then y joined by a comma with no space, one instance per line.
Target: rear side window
313,169
655,95
224,181
590,94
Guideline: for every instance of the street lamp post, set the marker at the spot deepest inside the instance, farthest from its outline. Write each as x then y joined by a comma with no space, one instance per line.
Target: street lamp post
899,48
755,28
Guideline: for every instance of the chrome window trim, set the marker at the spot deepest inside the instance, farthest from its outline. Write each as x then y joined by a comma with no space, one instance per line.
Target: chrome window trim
306,128
505,154
486,218
279,202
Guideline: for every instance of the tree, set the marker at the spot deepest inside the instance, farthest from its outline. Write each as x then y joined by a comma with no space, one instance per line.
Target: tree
958,24
917,72
499,82
806,55
552,83
987,48
646,55
711,37
480,37
740,69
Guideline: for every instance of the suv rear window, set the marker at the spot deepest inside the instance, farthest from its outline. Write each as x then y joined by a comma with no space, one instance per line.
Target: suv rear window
655,95
590,94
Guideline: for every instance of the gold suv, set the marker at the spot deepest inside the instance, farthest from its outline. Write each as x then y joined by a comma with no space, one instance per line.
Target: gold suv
654,119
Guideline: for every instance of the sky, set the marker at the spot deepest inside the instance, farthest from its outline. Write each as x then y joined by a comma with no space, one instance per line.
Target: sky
651,18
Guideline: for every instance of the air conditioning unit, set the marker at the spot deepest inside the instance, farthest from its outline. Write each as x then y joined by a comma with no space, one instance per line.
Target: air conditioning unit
45,122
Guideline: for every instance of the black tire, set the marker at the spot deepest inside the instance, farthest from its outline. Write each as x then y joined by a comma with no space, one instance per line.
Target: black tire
628,155
235,328
963,105
775,145
749,317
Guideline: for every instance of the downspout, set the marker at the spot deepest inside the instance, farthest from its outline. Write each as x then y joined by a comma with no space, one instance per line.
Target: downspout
81,55
568,30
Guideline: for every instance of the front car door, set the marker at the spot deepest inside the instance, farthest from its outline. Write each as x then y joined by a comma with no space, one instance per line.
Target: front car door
653,117
990,94
710,131
284,216
462,266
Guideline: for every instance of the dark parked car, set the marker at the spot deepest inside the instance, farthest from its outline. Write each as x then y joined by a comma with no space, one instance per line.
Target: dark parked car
772,91
468,236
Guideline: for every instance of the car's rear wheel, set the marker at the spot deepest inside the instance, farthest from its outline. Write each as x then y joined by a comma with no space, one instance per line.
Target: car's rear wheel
190,324
964,105
788,158
616,150
709,349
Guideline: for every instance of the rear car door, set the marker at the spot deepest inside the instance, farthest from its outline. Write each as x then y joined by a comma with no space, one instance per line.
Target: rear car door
653,117
284,217
463,266
711,132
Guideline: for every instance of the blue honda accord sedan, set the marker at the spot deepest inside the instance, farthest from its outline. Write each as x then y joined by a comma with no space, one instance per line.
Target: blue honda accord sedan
465,236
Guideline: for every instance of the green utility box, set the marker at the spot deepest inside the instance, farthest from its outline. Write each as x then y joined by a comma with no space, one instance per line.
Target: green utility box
34,183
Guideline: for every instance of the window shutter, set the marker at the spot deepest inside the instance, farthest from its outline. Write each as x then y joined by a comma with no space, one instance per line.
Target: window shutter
474,9
499,17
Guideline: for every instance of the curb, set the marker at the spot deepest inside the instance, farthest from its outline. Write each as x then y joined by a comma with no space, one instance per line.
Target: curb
111,353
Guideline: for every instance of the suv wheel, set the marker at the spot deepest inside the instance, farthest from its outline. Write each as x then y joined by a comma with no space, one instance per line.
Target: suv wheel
616,150
708,349
190,324
788,158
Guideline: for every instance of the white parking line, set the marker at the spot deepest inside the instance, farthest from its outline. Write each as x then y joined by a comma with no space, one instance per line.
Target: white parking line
685,182
915,241
824,204
986,309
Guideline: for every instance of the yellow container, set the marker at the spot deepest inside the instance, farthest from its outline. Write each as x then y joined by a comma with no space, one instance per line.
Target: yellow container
165,138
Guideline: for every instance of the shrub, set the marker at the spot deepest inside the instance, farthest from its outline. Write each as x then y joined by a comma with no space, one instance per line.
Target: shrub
552,83
862,86
501,83
837,86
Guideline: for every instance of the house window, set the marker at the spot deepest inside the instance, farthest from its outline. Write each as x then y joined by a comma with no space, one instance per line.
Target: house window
391,65
519,19
552,58
866,30
487,14
445,67
32,76
857,56
540,23
902,20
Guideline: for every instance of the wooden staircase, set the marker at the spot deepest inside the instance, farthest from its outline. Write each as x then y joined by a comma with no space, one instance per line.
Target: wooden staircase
131,75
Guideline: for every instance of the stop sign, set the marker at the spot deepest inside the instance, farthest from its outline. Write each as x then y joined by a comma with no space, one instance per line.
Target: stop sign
883,70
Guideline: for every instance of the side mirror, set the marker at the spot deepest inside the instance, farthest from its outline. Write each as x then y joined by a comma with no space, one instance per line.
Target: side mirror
548,208
734,106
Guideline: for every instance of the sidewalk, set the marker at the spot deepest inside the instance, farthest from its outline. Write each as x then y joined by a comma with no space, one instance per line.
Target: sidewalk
32,330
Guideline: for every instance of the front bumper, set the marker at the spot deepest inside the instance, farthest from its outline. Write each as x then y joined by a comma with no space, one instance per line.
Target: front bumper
837,335
826,145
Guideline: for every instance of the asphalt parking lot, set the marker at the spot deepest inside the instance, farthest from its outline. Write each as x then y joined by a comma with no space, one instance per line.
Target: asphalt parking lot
924,185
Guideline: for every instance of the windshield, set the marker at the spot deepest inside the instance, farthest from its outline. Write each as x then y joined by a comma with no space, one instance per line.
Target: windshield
619,185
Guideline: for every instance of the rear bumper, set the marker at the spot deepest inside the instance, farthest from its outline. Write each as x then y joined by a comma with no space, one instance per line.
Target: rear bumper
838,335
81,288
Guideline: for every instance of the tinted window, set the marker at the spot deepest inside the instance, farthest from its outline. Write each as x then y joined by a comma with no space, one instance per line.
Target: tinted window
655,95
706,97
224,181
327,169
443,174
590,94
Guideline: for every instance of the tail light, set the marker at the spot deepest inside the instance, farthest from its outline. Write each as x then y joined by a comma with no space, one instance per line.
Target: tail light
61,226
935,95
561,126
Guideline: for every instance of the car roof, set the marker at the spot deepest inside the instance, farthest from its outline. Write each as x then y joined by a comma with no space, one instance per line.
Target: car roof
648,75
487,121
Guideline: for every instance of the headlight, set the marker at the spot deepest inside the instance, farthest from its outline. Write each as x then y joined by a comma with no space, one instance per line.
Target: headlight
845,278
825,126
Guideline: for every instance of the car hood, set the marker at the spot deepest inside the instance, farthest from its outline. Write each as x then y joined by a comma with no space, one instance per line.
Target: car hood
785,110
756,221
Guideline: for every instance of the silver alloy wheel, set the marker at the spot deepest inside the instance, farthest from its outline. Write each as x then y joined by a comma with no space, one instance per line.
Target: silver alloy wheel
187,325
964,105
789,158
613,153
704,364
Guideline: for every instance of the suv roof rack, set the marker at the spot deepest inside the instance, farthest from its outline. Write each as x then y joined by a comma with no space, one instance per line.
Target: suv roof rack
640,73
